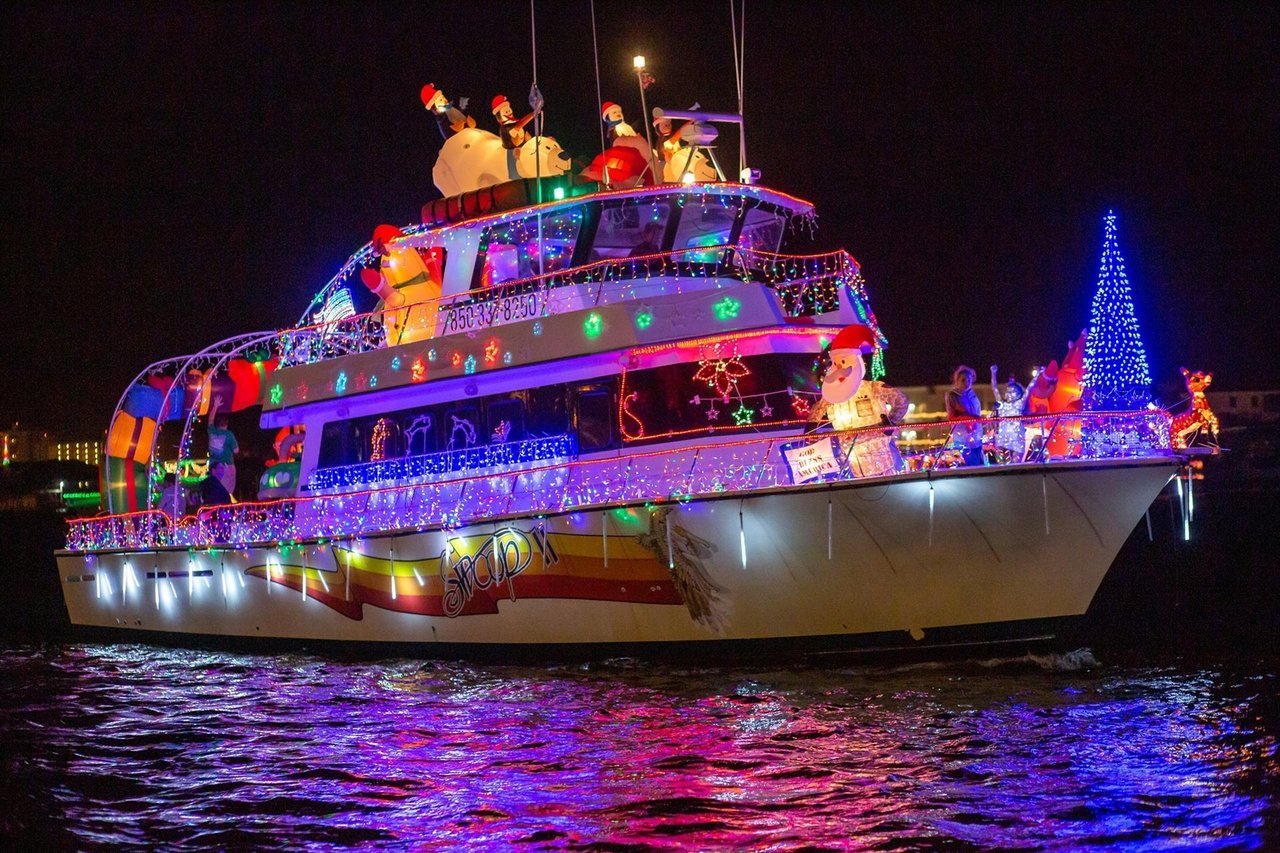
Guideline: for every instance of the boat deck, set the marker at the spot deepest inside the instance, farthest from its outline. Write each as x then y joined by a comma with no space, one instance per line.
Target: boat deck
628,479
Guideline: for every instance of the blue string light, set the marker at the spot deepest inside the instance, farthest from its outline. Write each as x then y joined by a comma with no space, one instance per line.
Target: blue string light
1116,376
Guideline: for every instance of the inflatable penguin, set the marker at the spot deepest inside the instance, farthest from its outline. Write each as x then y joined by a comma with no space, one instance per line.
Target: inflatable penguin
614,124
408,286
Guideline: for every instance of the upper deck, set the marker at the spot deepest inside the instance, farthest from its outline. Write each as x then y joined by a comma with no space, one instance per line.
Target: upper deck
600,272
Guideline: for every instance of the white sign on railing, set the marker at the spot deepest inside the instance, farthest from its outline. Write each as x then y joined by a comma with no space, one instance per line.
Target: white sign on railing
812,461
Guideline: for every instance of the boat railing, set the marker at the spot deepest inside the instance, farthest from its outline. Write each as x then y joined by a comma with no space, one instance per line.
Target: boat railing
806,285
687,472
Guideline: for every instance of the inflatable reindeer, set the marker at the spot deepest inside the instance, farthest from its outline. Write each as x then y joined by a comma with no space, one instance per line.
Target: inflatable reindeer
1188,425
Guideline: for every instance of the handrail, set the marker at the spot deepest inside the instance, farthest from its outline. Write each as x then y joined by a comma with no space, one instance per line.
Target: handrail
673,473
364,332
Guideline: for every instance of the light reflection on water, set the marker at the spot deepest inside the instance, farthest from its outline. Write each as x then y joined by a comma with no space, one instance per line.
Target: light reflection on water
133,745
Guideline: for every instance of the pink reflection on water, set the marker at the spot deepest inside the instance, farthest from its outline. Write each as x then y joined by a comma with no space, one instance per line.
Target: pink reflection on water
215,750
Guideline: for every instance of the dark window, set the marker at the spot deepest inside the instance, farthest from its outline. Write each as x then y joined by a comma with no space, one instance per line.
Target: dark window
749,392
420,434
547,412
1271,403
505,419
595,413
461,428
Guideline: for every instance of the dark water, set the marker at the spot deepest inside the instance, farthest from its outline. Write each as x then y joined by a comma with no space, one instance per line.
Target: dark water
133,746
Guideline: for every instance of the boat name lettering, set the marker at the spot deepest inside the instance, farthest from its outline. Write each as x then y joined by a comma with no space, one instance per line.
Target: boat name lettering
502,555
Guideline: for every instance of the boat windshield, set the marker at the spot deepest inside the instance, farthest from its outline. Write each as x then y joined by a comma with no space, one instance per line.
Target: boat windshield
708,225
510,250
631,228
762,230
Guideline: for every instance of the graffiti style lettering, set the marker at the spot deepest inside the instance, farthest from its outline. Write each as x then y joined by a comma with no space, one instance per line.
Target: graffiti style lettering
502,556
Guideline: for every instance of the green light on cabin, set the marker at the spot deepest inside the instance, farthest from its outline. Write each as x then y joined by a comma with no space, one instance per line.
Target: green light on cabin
593,326
277,394
558,193
727,308
644,319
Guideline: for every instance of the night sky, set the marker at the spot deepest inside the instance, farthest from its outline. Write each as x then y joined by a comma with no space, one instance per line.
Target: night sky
175,174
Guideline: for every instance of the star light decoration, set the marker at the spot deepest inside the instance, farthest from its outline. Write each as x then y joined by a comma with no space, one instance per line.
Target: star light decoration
727,308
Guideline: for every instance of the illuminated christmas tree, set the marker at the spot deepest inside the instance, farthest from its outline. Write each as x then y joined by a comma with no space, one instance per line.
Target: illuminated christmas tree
1116,376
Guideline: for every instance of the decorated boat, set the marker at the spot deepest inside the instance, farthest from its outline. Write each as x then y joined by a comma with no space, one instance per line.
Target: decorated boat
592,417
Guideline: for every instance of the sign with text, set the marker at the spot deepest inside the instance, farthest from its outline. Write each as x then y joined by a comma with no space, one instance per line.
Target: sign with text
809,461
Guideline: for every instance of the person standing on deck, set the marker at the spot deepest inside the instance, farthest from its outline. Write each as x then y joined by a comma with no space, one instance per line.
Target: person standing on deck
963,405
223,447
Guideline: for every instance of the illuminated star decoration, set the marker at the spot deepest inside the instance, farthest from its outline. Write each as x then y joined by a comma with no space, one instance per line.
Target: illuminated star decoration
721,374
743,415
491,351
277,394
727,308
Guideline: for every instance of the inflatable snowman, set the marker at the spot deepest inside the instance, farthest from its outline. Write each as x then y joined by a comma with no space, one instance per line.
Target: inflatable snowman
408,286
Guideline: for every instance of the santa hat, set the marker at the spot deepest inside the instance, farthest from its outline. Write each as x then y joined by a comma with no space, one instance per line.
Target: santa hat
857,337
428,94
498,100
605,107
384,234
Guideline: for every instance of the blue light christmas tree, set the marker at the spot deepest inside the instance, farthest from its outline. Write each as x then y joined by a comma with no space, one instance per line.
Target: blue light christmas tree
1116,376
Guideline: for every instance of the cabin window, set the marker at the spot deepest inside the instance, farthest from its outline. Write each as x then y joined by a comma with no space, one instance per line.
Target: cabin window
547,414
511,250
761,230
595,413
461,427
505,420
704,226
420,434
715,394
631,229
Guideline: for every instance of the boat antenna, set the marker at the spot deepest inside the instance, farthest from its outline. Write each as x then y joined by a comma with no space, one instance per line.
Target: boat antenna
739,72
595,51
537,119
537,134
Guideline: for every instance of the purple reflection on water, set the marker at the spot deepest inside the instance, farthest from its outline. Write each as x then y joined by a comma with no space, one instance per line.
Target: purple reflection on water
112,745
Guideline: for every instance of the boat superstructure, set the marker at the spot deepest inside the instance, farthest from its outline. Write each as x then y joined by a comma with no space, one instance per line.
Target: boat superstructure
601,435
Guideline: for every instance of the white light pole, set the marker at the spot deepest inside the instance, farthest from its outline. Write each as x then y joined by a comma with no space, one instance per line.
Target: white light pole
638,63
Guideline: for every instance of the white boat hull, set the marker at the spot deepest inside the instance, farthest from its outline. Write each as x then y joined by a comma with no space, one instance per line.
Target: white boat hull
910,561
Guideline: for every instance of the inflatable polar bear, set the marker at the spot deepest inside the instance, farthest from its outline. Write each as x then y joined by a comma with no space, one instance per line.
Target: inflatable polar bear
474,158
